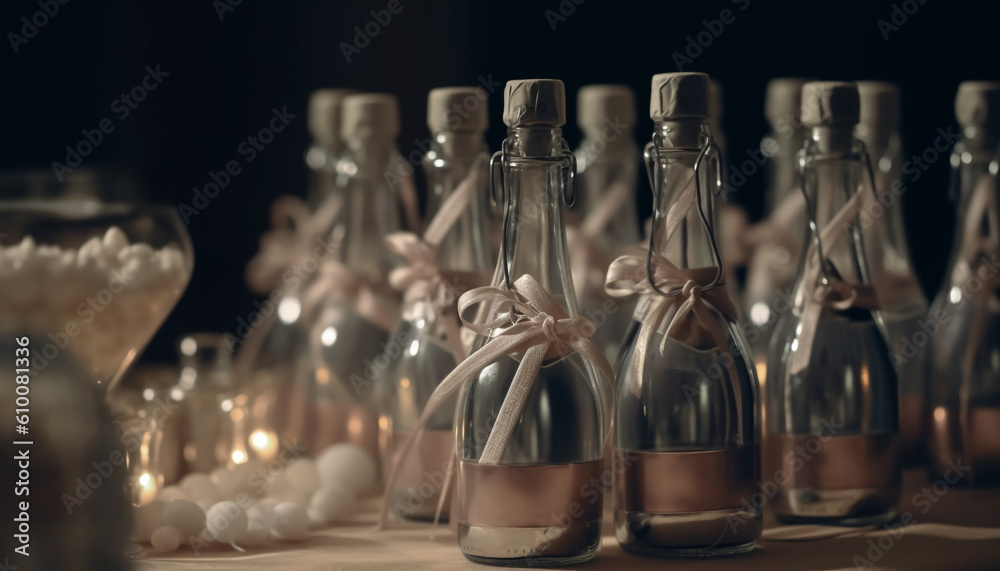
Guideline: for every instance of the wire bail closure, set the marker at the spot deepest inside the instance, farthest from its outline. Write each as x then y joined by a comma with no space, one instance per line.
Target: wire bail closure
500,165
652,156
861,155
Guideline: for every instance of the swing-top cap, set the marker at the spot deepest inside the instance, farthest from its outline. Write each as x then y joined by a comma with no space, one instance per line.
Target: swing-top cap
783,99
679,96
879,103
369,115
977,103
830,104
534,102
596,104
324,115
457,109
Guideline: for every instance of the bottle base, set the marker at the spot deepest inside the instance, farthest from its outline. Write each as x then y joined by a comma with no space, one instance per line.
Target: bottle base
530,546
856,507
715,533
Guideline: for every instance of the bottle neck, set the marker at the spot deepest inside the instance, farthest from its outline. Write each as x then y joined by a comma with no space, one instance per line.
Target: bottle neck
534,235
606,161
781,146
678,145
831,177
970,160
453,158
322,165
371,208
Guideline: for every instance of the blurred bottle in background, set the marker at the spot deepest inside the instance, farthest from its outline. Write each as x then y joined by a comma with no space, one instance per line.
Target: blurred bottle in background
775,243
831,386
885,230
604,220
356,307
964,321
452,257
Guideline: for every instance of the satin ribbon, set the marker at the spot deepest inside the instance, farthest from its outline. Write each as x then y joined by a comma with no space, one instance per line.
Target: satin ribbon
836,294
528,321
292,239
754,245
422,280
587,259
627,276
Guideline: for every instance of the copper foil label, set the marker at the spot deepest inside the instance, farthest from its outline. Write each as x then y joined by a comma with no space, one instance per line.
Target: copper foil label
677,482
528,496
833,462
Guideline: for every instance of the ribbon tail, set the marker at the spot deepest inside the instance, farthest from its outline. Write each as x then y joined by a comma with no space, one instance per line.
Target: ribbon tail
513,404
658,309
455,380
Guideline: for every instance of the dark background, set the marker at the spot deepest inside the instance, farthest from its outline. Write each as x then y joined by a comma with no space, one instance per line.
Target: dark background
226,76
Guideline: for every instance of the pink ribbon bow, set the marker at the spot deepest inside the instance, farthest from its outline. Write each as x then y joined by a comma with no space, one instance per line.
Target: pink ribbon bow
295,229
627,276
529,322
421,279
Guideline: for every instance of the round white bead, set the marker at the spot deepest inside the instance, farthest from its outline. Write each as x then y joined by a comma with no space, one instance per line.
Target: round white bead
348,464
291,522
166,539
185,516
225,522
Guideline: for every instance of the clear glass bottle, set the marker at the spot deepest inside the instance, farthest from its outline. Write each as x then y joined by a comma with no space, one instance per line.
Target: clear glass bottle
964,321
458,161
886,247
604,221
831,451
274,357
349,338
772,265
539,505
686,423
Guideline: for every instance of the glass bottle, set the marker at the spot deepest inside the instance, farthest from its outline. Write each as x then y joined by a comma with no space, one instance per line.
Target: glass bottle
539,505
207,381
771,268
274,357
604,220
457,161
964,321
349,338
831,451
326,147
686,417
878,129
